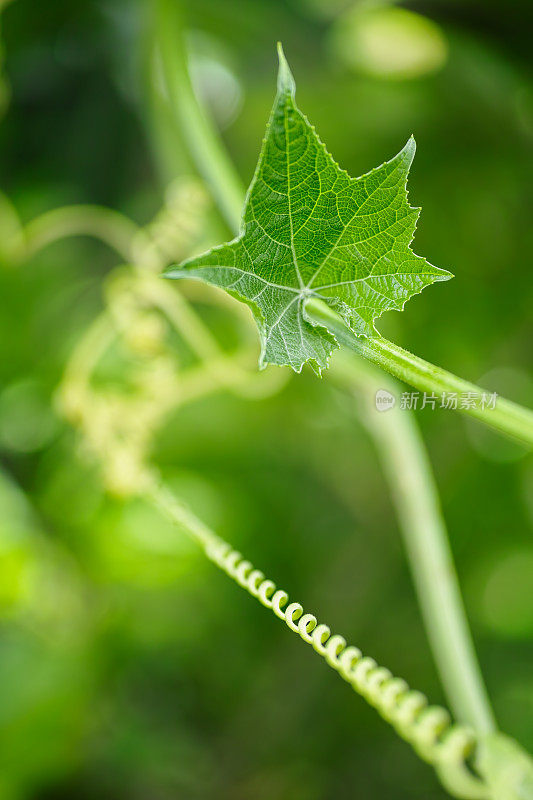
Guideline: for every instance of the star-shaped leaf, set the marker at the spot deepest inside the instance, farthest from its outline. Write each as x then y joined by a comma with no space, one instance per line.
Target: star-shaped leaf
310,230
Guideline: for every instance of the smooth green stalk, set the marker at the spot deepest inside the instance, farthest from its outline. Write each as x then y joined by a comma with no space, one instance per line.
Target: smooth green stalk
111,227
506,417
210,159
409,476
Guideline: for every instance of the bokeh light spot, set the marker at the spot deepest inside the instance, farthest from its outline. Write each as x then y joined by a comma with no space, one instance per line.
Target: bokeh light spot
27,422
506,601
389,42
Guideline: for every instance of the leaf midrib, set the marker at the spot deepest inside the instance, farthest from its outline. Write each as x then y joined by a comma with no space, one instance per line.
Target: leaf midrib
288,161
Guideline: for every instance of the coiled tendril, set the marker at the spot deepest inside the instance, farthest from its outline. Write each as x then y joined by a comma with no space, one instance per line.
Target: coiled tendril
429,729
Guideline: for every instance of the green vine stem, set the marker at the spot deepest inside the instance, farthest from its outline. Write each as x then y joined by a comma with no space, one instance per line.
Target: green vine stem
111,227
410,480
210,158
428,729
506,417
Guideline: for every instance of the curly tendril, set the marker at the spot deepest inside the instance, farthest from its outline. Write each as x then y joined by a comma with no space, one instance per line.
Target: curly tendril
428,729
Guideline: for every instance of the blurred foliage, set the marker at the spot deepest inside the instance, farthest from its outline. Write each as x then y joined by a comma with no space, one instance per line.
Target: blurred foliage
109,619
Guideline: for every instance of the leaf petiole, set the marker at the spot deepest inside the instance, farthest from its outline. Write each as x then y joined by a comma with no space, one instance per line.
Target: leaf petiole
506,417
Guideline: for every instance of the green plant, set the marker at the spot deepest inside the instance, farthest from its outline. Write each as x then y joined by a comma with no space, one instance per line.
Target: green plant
320,256
472,758
290,233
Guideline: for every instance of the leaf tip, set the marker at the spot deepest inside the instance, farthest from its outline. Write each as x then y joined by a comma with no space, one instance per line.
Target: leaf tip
170,272
445,275
286,84
409,150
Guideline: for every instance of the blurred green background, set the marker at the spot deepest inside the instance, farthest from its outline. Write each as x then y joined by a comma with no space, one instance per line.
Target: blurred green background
130,668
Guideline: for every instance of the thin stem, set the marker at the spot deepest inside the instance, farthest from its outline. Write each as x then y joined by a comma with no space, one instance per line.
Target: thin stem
225,369
96,339
111,227
412,486
506,417
211,160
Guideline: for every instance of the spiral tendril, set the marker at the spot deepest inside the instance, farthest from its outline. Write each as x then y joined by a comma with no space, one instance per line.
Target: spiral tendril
429,729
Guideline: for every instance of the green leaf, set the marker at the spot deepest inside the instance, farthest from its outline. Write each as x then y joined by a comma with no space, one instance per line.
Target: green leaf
310,230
